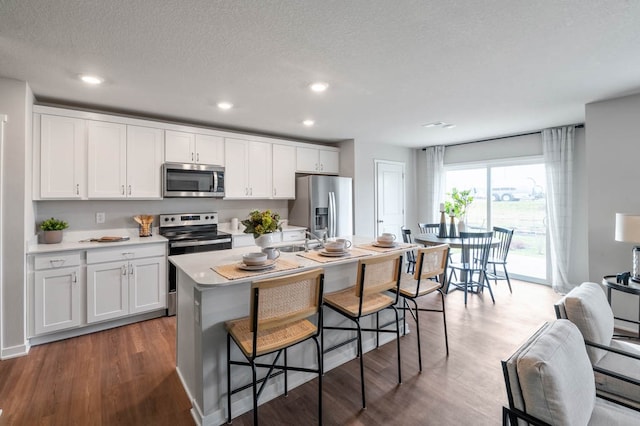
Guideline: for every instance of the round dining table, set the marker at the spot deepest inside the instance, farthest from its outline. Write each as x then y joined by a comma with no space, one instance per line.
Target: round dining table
433,240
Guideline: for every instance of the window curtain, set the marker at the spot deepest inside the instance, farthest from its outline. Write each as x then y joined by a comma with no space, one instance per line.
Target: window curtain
435,181
557,148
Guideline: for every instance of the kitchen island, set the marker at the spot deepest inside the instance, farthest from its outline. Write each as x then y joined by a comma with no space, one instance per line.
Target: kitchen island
207,299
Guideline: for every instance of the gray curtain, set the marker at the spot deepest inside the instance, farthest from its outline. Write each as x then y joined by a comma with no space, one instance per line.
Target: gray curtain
557,147
435,182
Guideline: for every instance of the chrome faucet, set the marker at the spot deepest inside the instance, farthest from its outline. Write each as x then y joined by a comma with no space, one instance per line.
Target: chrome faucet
320,241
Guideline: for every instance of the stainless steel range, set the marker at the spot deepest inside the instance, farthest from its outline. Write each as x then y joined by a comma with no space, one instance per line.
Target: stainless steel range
190,233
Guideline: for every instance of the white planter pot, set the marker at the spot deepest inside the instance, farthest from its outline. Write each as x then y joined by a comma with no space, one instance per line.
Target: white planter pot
266,240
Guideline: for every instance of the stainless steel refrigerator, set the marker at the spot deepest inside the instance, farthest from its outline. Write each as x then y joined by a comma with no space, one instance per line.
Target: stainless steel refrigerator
323,204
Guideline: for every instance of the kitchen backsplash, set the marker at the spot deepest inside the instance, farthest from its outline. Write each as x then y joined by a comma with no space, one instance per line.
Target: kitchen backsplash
81,215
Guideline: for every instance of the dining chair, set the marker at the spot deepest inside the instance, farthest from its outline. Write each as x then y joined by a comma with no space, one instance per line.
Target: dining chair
475,247
430,266
498,255
376,276
428,228
411,256
280,317
549,381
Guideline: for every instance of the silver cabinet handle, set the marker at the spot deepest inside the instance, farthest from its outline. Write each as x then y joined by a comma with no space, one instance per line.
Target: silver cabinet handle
317,166
56,263
130,269
127,254
75,278
192,156
380,221
123,269
197,157
274,192
122,190
246,191
321,167
129,189
77,189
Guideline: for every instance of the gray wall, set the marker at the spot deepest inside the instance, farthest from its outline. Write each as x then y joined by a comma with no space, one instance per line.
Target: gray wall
16,101
613,150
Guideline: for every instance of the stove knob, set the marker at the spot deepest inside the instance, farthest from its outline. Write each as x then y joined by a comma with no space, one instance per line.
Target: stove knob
166,219
173,219
206,218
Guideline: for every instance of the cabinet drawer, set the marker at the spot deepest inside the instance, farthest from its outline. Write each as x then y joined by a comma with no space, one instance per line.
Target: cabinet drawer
292,235
125,253
243,240
60,260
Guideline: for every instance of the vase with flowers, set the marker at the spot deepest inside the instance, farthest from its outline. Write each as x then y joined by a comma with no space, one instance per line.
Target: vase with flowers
458,204
262,224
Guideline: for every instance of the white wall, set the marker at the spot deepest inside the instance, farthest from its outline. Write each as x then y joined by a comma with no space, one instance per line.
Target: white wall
364,178
613,151
16,101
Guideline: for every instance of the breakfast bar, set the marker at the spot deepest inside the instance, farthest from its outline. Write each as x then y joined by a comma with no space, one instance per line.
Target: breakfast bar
206,299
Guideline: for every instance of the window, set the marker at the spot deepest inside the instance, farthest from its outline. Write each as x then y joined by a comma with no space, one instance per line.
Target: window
511,196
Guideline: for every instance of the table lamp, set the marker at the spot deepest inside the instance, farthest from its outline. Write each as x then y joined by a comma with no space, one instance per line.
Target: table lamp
628,231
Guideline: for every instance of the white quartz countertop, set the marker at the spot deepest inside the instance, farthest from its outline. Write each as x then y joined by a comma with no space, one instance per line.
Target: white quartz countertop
198,265
72,240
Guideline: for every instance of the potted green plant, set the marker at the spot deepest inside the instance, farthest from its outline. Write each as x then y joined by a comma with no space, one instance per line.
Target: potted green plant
52,230
458,204
262,225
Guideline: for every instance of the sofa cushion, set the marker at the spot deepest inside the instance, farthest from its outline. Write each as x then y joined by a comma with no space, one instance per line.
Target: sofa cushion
556,378
607,413
587,307
627,366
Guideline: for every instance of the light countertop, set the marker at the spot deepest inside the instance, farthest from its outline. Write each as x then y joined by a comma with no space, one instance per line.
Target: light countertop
72,240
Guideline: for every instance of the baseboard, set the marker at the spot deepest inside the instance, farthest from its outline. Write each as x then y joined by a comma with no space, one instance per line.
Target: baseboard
15,351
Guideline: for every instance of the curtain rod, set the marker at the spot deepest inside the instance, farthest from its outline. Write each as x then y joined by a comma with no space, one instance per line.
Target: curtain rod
577,126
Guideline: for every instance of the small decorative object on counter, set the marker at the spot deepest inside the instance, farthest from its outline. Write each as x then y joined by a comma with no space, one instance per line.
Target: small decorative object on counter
452,228
262,225
53,230
145,221
234,224
442,229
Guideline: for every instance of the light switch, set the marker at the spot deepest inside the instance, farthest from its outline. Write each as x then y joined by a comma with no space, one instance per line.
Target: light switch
100,217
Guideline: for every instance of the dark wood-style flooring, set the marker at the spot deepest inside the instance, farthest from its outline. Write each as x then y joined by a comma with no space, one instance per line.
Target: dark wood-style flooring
126,376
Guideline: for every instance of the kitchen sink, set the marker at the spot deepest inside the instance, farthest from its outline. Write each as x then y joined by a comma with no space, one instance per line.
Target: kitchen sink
292,248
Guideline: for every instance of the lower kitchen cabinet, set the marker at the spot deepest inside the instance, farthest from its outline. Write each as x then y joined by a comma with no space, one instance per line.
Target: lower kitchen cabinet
57,299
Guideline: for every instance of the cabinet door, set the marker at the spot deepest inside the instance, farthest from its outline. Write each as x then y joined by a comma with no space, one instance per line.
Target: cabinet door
107,291
147,284
179,147
57,299
107,159
209,150
307,159
62,158
144,162
284,171
236,174
329,161
259,170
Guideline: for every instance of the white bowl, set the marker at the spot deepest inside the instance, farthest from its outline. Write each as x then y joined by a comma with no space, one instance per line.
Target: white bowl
334,246
254,259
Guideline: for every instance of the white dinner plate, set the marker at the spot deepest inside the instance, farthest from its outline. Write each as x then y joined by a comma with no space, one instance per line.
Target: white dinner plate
334,253
384,245
268,265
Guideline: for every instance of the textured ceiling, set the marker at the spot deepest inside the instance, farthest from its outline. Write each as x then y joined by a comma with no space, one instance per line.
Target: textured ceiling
493,68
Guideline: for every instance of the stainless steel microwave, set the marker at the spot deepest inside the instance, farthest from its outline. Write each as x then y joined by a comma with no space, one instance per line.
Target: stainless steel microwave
192,180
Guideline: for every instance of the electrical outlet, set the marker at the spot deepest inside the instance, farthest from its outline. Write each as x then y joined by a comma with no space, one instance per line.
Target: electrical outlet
100,217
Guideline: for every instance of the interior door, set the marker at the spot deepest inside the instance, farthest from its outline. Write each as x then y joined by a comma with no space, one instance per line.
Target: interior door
390,197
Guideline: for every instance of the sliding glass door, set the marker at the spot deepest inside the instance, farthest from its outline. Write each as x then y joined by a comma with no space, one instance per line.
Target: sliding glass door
509,196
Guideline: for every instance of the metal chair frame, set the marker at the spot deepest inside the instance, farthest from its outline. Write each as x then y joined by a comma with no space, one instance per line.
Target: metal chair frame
499,255
475,252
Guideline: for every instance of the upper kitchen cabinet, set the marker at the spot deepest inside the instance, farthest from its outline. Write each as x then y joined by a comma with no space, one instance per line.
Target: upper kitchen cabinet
284,171
183,147
247,169
123,161
317,160
62,158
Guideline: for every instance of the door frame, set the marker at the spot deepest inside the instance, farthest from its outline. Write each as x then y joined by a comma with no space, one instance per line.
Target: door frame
376,164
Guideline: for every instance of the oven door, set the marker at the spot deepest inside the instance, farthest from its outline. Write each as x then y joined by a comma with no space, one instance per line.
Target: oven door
186,247
193,180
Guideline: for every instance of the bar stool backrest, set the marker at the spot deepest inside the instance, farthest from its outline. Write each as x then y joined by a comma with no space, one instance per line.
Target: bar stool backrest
378,274
281,301
432,262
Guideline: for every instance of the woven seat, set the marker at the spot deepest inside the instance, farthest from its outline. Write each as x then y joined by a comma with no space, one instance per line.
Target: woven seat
376,275
431,263
279,318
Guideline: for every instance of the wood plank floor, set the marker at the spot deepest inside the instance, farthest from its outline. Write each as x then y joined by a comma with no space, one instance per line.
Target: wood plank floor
126,376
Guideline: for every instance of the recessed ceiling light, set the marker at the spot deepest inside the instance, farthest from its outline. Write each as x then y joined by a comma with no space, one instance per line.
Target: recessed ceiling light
448,126
319,86
434,124
91,79
225,105
308,123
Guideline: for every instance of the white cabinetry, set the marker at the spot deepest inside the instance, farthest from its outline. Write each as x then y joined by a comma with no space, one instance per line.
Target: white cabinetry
57,283
123,161
248,169
184,147
284,171
62,158
317,160
124,281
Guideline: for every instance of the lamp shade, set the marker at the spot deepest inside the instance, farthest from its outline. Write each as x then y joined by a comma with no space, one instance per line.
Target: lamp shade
627,228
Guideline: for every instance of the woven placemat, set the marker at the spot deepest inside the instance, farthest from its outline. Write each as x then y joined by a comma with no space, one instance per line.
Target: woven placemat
316,256
232,271
401,246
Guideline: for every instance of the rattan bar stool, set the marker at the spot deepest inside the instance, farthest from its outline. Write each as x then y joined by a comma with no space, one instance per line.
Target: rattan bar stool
431,262
376,276
280,313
